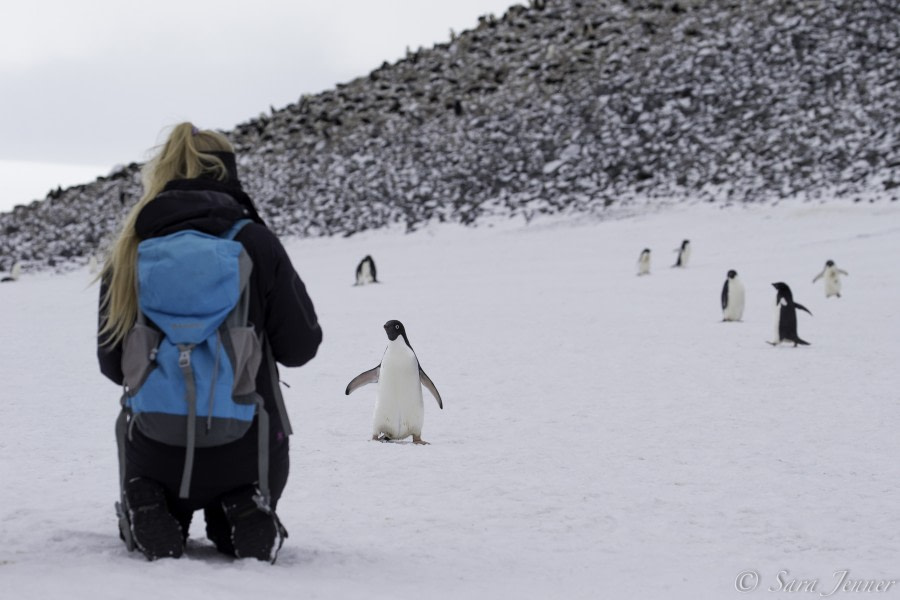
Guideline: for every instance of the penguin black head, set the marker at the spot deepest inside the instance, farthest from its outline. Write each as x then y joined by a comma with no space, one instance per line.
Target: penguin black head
732,274
395,328
783,292
685,243
829,263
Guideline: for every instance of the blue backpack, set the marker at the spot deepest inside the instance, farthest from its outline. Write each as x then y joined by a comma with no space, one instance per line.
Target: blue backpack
190,361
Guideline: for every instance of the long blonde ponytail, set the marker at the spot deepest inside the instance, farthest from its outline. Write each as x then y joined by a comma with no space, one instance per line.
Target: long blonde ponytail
182,156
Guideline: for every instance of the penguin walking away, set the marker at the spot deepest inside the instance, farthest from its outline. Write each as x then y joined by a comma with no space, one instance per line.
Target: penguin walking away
732,298
13,274
832,277
644,262
365,271
786,316
399,409
684,254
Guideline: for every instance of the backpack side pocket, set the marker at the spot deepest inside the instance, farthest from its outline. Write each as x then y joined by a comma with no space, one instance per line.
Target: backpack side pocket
139,356
246,355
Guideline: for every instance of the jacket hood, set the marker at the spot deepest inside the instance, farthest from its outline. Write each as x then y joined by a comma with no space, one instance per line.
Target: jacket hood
206,210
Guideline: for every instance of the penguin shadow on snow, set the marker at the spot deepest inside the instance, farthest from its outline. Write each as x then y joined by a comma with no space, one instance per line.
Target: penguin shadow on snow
399,407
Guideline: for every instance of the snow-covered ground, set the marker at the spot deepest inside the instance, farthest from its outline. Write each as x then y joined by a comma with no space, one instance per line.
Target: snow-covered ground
604,435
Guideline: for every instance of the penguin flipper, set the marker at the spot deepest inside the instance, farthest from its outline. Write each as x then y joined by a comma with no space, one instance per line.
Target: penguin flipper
801,307
429,385
725,295
364,378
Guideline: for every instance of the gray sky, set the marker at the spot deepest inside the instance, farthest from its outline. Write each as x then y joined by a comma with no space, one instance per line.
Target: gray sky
87,85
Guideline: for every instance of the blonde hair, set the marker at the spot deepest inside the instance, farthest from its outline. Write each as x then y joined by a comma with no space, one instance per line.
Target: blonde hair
184,155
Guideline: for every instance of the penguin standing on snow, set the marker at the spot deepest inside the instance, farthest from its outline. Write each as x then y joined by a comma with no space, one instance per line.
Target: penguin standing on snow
786,316
365,271
644,262
684,253
832,277
732,298
13,275
399,409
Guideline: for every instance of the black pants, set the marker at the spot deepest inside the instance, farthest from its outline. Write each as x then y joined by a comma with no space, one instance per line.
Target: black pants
217,526
218,472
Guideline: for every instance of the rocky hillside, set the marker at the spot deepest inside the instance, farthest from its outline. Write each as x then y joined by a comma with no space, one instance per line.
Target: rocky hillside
561,105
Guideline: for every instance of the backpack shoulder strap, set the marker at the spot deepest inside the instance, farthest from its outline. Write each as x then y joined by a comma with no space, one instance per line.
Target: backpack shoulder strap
235,229
276,388
262,414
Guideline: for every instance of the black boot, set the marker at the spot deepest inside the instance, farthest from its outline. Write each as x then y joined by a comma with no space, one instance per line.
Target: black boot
154,531
256,531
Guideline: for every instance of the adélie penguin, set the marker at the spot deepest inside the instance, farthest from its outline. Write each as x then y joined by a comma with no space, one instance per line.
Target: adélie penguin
399,408
366,272
732,298
832,275
786,316
684,254
644,262
14,274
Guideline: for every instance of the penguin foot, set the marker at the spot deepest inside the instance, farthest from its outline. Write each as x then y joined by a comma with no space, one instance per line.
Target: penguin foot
419,440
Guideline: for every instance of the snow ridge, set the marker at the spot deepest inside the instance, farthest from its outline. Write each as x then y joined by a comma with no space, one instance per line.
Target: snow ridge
560,106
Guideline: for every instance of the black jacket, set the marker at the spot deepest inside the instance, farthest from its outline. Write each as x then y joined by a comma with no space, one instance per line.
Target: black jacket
279,308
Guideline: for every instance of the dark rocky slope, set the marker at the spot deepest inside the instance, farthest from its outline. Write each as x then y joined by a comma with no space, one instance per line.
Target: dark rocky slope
562,105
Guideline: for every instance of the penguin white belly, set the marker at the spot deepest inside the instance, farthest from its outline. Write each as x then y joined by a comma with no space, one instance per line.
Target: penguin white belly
399,409
644,265
685,256
832,283
778,322
734,311
365,274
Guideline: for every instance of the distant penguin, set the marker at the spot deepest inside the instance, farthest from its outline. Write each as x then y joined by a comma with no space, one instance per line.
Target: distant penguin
732,298
832,277
13,274
684,254
644,262
93,264
399,409
786,316
365,271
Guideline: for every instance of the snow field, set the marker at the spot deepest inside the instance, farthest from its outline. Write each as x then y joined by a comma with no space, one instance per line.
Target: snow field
604,435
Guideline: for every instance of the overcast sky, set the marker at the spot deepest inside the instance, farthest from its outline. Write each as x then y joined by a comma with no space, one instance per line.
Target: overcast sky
87,85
